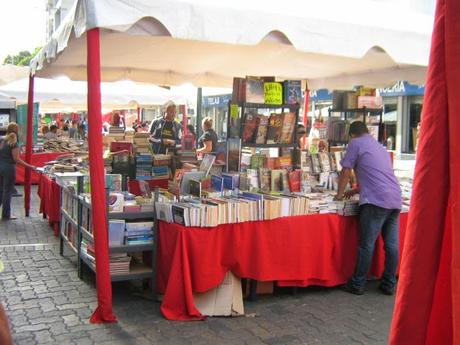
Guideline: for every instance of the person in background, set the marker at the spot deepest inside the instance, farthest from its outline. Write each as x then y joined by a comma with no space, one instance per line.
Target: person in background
165,132
9,156
145,126
45,129
52,134
191,130
73,129
379,206
65,130
189,139
208,141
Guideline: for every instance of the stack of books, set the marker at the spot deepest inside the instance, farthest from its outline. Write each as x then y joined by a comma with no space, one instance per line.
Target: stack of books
139,233
348,207
119,263
141,143
143,166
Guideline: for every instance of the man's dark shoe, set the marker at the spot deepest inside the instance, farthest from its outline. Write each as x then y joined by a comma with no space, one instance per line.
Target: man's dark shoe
386,291
351,289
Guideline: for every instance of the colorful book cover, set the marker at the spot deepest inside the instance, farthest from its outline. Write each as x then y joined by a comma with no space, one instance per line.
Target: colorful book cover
195,188
265,179
233,154
285,181
206,163
285,162
249,128
257,161
276,180
253,179
231,180
289,126
272,163
324,161
316,167
262,129
217,183
275,125
235,118
294,180
292,90
254,90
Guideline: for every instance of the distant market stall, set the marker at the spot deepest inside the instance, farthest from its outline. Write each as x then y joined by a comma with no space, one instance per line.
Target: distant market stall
170,42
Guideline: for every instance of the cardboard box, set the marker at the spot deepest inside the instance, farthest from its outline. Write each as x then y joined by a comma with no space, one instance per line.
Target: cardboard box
350,100
373,102
263,288
224,300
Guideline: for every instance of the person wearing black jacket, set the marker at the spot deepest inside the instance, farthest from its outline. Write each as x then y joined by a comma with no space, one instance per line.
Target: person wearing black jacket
165,132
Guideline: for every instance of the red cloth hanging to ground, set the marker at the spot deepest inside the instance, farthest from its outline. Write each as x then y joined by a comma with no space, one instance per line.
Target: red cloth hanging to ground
50,198
296,251
426,310
103,312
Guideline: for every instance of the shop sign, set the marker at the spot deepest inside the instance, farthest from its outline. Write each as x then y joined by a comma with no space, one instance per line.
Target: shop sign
402,88
320,95
273,93
216,101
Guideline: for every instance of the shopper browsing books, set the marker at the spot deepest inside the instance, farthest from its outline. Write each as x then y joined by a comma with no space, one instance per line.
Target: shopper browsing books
208,141
165,132
52,133
380,204
9,156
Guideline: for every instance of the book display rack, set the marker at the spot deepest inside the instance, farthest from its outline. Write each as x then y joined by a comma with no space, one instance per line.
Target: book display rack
131,234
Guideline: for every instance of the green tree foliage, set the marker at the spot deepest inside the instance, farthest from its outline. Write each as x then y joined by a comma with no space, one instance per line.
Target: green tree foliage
22,58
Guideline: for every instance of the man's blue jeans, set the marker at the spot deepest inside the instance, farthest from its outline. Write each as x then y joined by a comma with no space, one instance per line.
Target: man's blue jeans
372,221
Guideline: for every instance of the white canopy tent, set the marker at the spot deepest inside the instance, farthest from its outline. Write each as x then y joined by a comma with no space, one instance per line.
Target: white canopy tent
64,94
10,73
330,43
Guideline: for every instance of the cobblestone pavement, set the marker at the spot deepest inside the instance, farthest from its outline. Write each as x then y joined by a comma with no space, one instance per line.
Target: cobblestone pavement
48,304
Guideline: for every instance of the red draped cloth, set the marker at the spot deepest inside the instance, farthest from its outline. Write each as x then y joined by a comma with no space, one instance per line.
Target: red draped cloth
50,194
295,251
429,286
38,160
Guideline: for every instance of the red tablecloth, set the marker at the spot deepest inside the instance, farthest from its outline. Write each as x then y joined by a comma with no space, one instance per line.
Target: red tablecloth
39,160
50,193
295,251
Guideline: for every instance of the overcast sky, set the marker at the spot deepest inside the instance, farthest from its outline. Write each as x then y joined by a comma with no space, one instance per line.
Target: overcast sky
22,26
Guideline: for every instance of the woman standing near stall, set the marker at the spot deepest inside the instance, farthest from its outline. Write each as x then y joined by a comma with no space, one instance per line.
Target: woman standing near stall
208,141
9,156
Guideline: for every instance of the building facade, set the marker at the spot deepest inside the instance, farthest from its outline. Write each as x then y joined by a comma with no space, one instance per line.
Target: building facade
402,111
56,10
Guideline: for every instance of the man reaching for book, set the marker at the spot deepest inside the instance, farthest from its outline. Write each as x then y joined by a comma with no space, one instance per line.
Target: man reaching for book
380,204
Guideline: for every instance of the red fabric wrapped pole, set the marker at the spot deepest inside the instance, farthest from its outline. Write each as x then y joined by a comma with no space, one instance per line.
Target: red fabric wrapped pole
104,312
30,118
306,104
426,310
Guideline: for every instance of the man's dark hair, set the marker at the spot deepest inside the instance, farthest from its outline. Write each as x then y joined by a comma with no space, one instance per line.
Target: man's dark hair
358,128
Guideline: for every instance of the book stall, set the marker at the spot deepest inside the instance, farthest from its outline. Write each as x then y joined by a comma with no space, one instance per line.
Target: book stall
186,263
270,217
260,209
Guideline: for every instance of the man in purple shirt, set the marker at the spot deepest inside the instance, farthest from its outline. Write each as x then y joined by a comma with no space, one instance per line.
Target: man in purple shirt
380,205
